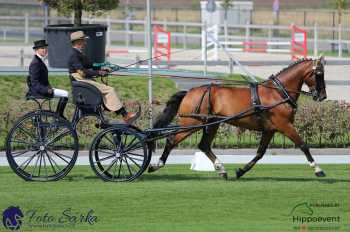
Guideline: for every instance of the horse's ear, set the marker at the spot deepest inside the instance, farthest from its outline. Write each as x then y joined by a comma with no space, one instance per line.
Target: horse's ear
322,60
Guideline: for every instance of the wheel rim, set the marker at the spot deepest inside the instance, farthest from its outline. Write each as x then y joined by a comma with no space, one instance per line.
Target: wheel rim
42,147
118,155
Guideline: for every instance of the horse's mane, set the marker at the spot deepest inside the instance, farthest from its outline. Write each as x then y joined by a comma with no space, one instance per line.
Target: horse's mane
299,61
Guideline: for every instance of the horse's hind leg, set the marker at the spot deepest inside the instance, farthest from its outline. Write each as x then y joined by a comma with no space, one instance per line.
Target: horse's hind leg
264,142
291,133
205,146
171,142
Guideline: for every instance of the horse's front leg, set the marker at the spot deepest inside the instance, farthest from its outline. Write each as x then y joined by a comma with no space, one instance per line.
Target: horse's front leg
264,142
291,133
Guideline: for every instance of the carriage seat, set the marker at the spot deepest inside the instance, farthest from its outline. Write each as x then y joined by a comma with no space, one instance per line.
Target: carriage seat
86,96
30,96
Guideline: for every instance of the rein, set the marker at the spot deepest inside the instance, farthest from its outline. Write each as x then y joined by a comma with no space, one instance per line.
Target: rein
223,81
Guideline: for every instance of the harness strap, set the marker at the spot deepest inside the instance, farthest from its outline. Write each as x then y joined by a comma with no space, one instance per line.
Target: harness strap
283,92
256,103
198,108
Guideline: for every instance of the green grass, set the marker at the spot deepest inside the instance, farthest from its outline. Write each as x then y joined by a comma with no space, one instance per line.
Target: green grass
178,199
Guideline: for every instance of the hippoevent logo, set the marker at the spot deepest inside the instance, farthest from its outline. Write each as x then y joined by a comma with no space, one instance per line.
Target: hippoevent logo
14,218
307,216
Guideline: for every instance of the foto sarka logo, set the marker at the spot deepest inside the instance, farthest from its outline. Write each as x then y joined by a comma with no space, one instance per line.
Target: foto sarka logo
12,218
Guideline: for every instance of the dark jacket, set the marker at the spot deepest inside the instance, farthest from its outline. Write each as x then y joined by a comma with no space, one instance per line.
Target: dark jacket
79,61
38,75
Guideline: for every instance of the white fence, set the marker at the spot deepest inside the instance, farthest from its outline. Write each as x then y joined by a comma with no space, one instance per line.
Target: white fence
133,32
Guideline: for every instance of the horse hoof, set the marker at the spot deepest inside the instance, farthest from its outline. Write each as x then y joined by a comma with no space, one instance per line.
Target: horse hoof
223,175
320,174
239,173
152,168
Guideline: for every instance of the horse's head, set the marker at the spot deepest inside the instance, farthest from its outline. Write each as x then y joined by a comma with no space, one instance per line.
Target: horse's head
315,80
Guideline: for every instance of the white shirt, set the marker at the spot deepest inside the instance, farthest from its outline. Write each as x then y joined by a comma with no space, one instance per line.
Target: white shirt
41,58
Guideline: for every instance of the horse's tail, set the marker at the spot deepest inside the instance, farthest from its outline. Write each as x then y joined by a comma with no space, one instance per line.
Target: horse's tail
169,112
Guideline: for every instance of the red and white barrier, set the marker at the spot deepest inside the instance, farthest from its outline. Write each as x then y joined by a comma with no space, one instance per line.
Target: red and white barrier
161,43
297,46
258,46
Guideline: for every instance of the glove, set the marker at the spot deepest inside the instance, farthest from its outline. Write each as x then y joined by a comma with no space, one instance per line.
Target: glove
102,73
107,69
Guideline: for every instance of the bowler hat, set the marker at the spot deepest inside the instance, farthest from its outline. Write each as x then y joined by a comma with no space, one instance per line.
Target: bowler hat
40,44
77,35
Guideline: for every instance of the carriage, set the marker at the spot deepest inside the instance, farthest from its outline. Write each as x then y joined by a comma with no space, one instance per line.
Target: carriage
43,146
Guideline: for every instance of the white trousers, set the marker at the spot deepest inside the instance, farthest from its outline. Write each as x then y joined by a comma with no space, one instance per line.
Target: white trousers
60,93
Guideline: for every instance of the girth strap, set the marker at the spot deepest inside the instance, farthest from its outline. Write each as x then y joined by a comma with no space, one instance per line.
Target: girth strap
255,99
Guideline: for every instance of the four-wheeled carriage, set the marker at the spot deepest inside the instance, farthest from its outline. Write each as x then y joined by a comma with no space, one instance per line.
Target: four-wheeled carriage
38,143
42,146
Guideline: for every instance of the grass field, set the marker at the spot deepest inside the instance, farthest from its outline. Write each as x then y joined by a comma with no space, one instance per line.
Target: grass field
178,199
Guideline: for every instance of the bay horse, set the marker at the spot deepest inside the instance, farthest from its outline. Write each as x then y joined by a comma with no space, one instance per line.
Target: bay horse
268,106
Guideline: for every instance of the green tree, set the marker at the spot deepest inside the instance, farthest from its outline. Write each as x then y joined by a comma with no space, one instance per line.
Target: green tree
340,5
226,4
95,7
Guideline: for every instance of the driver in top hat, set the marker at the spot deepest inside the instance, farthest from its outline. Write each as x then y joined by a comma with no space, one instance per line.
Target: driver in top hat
81,69
39,85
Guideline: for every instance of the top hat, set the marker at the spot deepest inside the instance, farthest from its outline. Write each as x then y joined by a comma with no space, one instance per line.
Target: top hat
40,44
77,35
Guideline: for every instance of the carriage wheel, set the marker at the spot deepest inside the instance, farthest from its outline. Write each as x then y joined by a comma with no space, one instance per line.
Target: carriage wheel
42,146
118,154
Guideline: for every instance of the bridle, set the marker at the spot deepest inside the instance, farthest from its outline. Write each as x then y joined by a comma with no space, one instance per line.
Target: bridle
318,75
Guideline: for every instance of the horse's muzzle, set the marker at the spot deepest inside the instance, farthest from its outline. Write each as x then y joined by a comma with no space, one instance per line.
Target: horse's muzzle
318,96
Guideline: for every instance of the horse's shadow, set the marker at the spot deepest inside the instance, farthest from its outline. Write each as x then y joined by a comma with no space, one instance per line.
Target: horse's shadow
180,177
293,179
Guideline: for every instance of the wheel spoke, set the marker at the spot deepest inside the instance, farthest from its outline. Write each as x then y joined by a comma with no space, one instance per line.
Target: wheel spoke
109,140
127,164
110,165
20,141
46,172
41,157
105,158
134,147
120,167
19,153
59,155
59,136
141,160
36,164
133,154
26,132
104,151
50,161
27,161
131,143
133,160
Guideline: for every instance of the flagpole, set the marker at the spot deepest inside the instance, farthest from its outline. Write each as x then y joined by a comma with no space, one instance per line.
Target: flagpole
149,39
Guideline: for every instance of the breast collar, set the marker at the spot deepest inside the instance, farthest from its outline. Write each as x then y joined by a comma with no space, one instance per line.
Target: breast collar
284,93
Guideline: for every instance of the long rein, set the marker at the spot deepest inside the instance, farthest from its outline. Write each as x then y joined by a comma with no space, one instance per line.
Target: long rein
223,81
